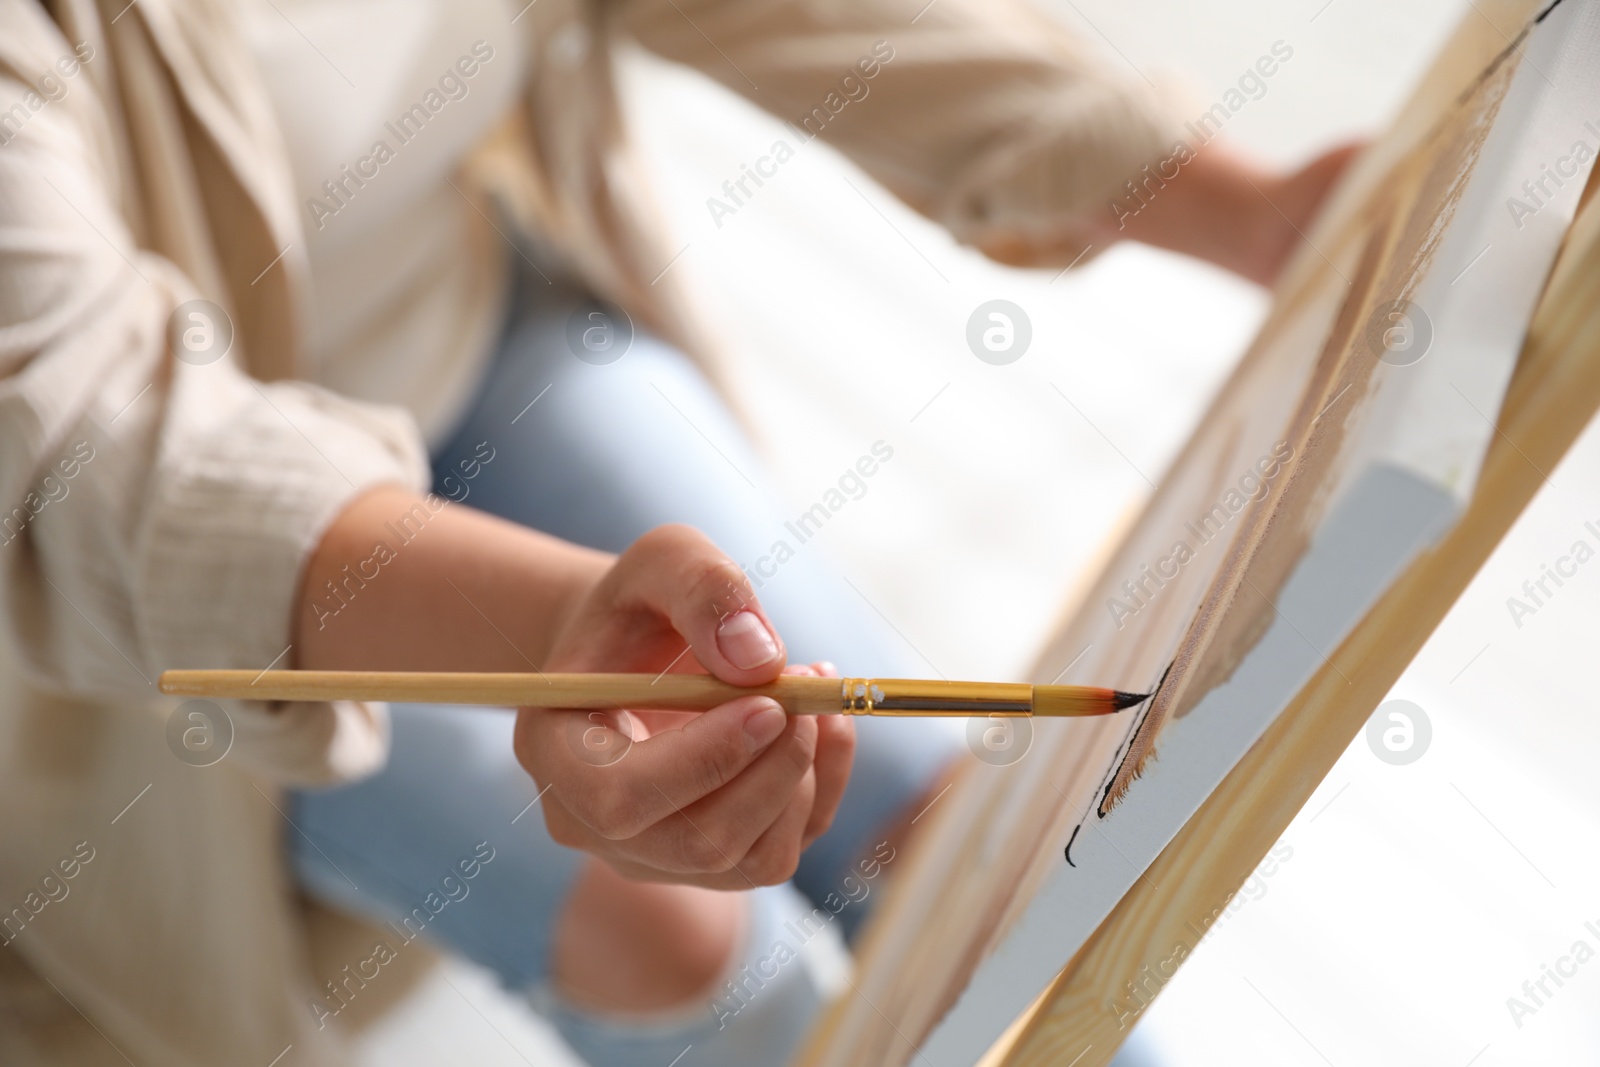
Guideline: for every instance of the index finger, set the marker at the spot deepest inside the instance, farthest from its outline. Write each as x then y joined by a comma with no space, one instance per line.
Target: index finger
678,573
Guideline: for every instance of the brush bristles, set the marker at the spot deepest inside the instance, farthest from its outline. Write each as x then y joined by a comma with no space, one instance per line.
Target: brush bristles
1078,700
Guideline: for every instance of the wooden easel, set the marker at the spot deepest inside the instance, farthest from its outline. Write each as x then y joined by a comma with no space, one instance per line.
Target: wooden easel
973,908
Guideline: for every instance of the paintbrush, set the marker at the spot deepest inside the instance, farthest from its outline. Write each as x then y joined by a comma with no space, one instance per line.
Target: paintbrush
799,694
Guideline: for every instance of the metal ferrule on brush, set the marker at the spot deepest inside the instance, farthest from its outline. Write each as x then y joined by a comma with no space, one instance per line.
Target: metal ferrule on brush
896,696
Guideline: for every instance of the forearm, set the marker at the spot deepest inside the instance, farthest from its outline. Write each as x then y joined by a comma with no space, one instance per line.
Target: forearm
1219,206
397,585
1216,208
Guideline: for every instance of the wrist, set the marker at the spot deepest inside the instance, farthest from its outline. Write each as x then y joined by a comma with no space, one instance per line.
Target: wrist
575,588
402,582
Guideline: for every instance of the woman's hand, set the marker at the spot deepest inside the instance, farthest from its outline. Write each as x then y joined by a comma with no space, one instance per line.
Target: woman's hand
725,799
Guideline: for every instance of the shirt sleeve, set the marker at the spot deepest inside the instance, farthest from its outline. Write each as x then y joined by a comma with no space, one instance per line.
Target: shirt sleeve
155,512
986,115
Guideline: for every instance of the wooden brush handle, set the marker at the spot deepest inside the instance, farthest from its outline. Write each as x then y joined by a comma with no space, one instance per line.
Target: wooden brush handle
799,694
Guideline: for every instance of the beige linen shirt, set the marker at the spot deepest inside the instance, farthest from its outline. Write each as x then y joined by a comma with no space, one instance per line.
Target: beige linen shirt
155,512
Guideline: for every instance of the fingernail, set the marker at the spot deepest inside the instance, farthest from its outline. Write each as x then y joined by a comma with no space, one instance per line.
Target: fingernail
745,640
763,725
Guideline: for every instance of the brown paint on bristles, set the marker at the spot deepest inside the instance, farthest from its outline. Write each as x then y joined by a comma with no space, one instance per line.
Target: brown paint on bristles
1061,701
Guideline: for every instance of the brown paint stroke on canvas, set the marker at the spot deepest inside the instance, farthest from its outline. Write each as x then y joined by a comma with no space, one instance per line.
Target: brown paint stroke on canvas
1410,215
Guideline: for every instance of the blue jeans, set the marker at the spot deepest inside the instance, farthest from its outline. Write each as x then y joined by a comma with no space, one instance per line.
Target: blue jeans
596,454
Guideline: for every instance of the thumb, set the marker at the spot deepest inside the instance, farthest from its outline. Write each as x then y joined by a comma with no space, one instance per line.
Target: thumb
678,573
